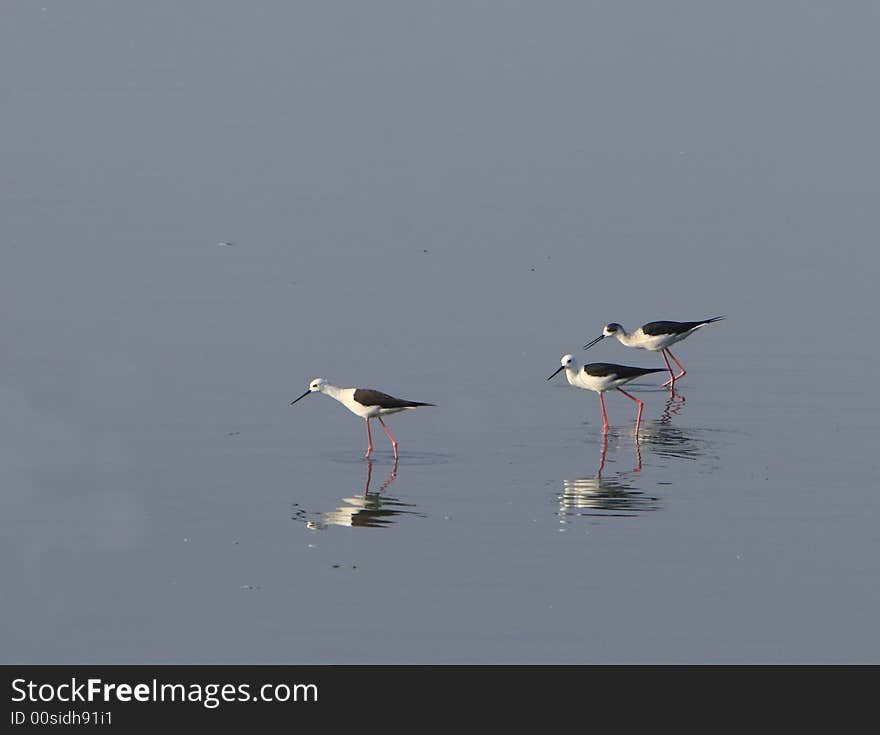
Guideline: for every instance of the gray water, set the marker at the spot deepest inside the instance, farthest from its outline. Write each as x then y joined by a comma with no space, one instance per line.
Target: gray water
205,205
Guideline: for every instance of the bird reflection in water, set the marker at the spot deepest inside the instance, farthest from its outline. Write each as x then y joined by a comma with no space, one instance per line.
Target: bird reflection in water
367,509
606,496
663,439
674,404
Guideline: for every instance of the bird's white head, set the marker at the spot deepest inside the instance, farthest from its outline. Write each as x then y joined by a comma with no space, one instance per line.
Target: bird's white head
568,363
612,329
609,330
316,385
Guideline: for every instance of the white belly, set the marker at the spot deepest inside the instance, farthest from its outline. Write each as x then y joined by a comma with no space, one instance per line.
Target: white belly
655,343
591,382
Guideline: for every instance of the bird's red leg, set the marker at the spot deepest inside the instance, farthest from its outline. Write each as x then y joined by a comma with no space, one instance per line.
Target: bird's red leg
671,381
604,415
641,406
390,436
369,440
672,376
683,371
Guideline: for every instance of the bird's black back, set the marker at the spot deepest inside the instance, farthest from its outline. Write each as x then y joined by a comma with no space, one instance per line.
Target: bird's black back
606,369
654,329
369,397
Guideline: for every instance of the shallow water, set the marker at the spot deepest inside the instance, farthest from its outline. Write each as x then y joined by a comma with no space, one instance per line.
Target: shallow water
192,236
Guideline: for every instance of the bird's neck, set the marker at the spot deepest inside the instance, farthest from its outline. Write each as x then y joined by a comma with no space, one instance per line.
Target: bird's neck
571,374
334,391
624,337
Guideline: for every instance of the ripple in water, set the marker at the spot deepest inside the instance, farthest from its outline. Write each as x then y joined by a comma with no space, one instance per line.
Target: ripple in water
416,459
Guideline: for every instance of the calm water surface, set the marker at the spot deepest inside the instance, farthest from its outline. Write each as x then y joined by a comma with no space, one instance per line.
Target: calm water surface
441,226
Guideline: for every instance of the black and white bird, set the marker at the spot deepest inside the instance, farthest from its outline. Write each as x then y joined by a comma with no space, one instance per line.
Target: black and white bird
366,403
603,376
656,337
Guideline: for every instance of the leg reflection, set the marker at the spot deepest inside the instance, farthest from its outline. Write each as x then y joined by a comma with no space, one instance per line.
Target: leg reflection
673,406
604,454
370,509
385,485
615,495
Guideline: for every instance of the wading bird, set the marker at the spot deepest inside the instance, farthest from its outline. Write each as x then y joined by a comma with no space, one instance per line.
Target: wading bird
656,337
366,403
603,376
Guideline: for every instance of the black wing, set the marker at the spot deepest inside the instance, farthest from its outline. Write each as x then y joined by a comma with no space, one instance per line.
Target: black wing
607,369
654,329
368,397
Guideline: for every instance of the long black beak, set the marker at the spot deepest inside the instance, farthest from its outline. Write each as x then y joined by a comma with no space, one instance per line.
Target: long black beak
301,397
558,370
594,342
